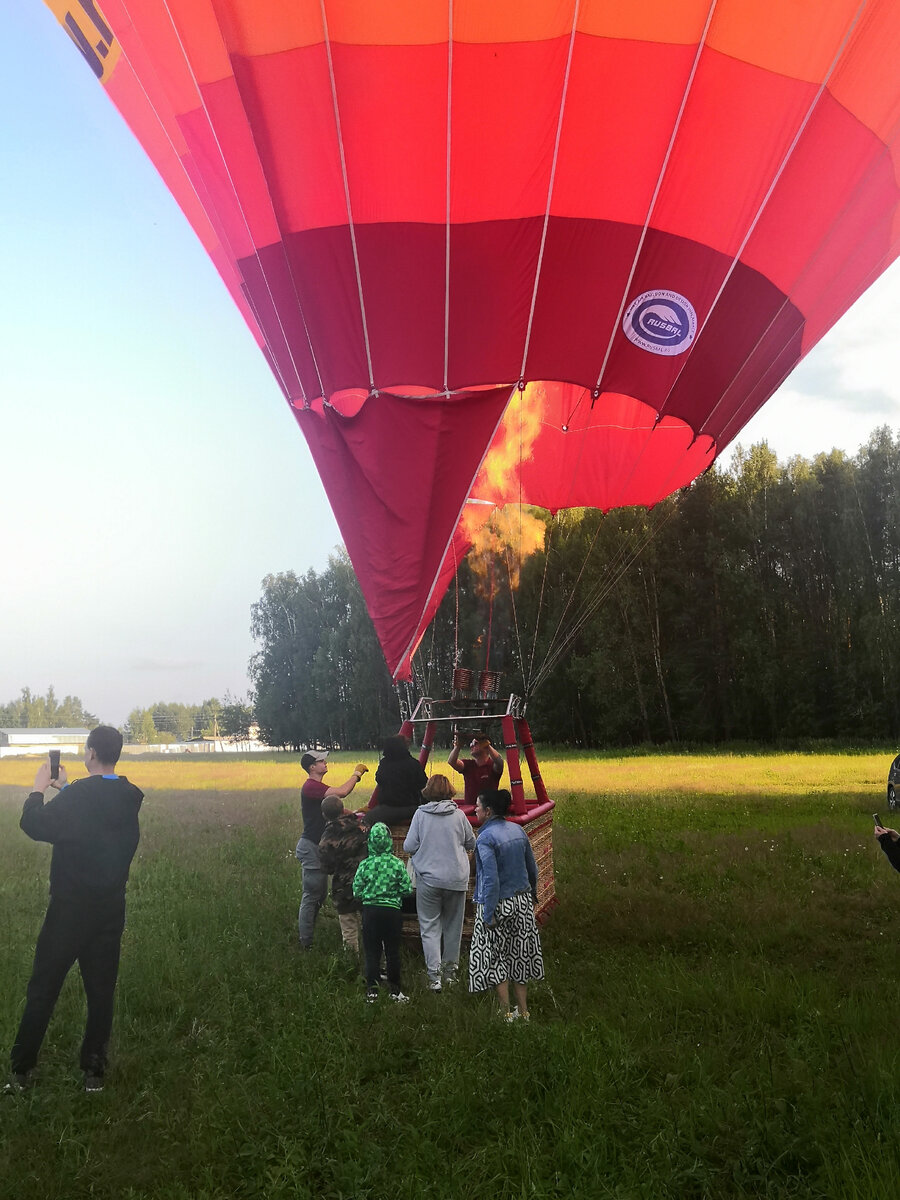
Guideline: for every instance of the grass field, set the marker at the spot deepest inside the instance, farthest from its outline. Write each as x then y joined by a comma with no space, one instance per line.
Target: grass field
717,1019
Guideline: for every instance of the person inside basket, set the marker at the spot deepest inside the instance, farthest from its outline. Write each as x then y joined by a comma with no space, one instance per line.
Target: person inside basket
506,946
400,778
342,847
482,772
439,841
380,883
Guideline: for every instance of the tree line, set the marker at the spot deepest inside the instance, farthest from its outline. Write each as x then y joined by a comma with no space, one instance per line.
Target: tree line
164,722
34,711
230,719
761,603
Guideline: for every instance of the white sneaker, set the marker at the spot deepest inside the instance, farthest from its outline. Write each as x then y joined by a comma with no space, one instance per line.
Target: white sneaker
399,998
434,985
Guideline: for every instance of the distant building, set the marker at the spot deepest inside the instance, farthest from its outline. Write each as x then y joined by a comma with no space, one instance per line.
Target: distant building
40,741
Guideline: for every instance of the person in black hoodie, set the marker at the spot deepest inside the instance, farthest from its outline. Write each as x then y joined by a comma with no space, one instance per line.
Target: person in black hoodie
400,779
92,825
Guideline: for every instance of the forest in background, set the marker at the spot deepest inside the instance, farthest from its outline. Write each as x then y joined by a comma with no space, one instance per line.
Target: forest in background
759,604
162,722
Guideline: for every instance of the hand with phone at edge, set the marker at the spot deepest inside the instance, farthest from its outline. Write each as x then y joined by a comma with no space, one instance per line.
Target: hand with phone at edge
882,831
44,777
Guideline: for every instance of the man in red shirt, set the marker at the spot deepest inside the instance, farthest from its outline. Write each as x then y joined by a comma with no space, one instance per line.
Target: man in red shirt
482,772
315,877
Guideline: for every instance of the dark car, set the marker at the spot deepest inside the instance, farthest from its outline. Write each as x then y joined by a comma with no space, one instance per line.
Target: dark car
893,784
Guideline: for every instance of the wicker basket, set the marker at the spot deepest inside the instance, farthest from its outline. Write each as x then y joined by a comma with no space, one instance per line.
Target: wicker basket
540,834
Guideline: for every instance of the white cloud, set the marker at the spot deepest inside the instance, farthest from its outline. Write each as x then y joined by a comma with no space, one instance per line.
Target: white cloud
847,386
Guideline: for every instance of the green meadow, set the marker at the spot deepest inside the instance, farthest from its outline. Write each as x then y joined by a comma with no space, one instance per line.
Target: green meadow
718,1018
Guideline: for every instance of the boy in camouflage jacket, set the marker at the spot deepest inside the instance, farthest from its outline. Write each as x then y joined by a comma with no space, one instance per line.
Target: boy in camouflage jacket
381,882
342,848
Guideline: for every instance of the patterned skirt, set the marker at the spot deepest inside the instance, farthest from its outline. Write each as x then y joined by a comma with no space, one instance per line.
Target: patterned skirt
510,950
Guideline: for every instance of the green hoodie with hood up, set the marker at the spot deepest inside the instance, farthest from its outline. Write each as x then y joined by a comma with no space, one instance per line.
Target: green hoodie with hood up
381,878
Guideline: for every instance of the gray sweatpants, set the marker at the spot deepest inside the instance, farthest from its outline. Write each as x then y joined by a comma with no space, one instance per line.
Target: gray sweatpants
441,913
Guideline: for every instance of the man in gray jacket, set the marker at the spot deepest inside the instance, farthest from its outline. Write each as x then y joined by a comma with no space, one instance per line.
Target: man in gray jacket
439,842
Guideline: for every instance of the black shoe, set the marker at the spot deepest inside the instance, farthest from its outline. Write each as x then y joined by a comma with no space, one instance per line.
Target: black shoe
371,995
93,1082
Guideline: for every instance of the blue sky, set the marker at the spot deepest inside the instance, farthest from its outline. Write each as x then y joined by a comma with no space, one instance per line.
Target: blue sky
151,473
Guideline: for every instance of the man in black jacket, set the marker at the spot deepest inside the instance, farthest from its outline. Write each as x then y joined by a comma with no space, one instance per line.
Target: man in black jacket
92,825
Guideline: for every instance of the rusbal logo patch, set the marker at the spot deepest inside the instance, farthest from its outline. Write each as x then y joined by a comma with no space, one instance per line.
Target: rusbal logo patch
661,322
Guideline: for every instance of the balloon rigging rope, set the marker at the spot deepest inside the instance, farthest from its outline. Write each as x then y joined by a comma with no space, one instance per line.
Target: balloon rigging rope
570,599
512,590
515,615
601,593
558,643
552,180
456,622
447,236
346,181
205,204
428,668
788,155
624,559
540,607
659,182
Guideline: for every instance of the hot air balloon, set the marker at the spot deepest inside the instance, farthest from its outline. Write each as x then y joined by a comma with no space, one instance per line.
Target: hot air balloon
422,206
605,231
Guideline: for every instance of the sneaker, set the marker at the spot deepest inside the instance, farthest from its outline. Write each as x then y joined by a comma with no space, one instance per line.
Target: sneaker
18,1082
399,998
511,1015
371,995
93,1082
450,976
434,985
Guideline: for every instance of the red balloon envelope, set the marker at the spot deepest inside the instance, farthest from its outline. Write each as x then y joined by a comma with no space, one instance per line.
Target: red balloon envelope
621,225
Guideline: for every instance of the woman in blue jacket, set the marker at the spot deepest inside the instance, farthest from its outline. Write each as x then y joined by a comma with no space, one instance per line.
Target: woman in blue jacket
506,946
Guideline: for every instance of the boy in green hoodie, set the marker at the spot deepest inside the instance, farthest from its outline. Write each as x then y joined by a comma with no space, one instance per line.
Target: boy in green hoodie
380,883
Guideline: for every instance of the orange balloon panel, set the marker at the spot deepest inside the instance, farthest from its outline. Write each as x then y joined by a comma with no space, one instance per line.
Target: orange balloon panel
622,225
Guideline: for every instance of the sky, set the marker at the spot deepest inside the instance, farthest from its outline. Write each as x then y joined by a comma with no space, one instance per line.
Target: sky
151,474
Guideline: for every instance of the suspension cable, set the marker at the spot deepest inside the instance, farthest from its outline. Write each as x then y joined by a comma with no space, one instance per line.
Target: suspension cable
540,608
624,559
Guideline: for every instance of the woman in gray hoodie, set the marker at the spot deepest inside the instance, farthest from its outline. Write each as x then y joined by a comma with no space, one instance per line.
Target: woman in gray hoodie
439,842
